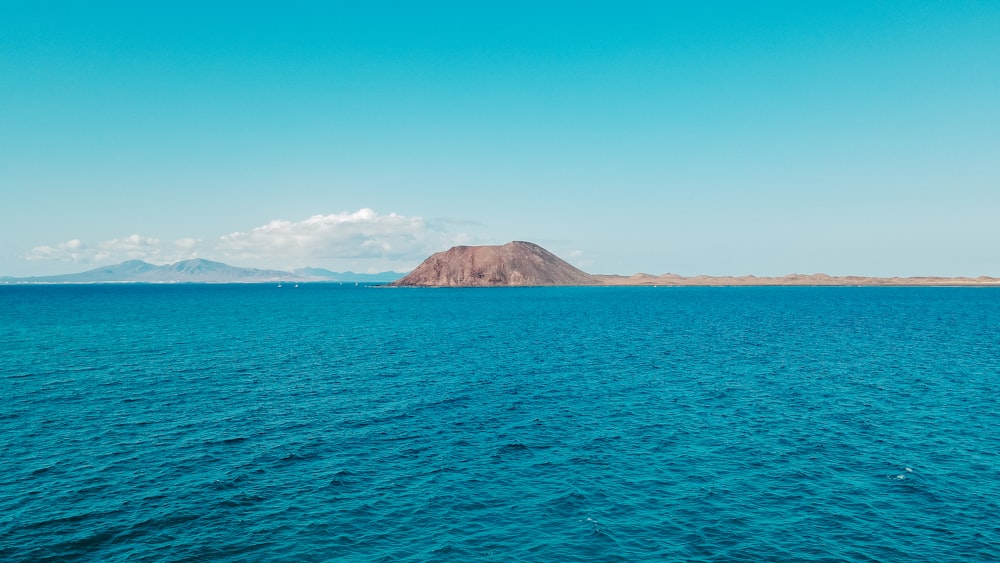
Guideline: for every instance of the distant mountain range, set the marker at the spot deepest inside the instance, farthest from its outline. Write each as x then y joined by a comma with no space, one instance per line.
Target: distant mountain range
198,270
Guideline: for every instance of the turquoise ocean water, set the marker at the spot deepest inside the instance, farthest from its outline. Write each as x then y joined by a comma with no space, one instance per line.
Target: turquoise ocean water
325,423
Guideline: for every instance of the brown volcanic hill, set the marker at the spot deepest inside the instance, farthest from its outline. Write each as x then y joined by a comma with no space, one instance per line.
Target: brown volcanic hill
515,263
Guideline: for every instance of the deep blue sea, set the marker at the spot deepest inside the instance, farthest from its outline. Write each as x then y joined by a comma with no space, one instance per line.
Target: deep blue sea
341,423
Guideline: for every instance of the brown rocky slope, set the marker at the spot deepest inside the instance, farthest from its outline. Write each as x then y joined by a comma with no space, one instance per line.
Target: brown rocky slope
516,263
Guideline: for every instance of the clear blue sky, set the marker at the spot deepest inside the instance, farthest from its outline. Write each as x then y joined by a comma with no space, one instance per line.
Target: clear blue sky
691,137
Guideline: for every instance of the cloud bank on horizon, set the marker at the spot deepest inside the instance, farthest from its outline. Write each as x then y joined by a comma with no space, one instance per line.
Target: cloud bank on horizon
383,242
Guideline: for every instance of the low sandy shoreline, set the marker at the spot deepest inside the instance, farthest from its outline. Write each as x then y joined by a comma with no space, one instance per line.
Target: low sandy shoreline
793,280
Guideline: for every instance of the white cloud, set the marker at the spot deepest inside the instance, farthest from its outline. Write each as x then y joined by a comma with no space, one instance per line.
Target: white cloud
361,234
134,247
69,251
378,241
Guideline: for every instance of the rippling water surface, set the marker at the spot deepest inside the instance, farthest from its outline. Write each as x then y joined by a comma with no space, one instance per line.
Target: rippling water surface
249,422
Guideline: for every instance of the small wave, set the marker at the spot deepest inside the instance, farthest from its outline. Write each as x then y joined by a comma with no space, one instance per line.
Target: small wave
294,457
242,499
513,448
341,478
42,470
570,502
219,485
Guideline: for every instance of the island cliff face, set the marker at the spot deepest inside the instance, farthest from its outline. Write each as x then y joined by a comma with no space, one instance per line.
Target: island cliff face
516,263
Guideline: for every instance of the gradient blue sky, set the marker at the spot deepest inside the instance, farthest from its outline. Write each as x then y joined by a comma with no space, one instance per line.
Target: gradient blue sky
690,137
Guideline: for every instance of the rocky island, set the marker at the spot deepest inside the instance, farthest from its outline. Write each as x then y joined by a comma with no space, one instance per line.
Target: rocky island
516,263
522,263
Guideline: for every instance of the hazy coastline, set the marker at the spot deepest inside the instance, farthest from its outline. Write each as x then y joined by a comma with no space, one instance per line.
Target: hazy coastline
795,280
